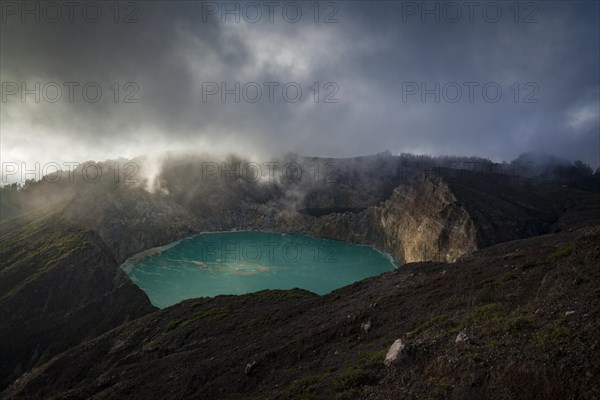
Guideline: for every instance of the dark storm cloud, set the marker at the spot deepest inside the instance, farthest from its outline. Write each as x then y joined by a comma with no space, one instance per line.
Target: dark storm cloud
374,51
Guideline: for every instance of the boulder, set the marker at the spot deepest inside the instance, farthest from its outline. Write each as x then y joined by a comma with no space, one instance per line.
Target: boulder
398,354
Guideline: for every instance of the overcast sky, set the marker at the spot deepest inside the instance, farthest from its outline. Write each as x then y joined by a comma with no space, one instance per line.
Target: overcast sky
371,59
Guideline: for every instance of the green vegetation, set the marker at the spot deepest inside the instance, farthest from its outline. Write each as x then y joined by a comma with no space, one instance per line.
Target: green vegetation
561,253
306,388
489,292
256,322
210,315
494,319
439,321
173,324
533,263
441,388
281,294
519,323
31,246
552,337
348,384
507,276
373,360
486,314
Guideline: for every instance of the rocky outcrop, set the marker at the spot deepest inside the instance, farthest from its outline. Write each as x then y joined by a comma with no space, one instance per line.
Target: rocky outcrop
421,221
442,215
424,221
397,355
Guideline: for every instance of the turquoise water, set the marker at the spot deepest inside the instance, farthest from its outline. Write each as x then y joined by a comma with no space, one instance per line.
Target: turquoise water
210,264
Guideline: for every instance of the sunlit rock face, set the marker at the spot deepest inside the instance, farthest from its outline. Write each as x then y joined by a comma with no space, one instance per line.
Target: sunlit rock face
424,221
421,221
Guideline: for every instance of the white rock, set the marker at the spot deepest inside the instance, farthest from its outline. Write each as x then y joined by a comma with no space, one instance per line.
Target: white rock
366,326
397,354
462,337
569,313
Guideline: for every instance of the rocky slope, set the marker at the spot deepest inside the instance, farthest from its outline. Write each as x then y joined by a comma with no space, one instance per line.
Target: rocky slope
129,220
60,278
59,285
515,320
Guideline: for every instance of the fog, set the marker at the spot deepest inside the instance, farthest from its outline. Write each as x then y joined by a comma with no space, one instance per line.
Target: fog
414,77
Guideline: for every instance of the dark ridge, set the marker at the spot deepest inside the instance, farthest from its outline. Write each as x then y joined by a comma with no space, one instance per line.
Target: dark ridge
59,285
319,212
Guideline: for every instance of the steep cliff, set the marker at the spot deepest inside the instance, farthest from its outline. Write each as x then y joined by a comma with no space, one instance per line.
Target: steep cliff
424,221
421,221
441,215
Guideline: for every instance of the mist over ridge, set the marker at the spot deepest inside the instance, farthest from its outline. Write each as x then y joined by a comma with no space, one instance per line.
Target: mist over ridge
186,75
